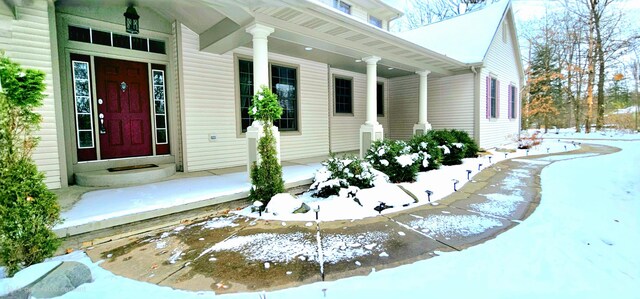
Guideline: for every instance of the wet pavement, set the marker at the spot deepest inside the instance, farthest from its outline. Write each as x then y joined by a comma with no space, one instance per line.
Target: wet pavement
229,253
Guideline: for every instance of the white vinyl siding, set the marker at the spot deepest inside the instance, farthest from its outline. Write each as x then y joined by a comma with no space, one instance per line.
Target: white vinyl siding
211,108
345,128
450,102
500,63
403,98
27,41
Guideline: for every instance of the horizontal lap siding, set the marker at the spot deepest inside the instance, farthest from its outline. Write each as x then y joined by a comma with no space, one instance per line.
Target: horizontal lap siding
403,106
450,102
27,41
345,128
501,63
211,107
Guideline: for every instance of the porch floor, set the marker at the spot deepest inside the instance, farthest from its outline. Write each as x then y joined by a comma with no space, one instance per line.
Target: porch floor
89,209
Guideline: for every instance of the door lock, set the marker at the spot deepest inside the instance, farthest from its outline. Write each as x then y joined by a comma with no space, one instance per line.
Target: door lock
101,126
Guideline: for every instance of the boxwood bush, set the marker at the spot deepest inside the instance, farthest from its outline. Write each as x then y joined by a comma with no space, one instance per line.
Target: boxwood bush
429,154
453,151
343,172
471,148
395,158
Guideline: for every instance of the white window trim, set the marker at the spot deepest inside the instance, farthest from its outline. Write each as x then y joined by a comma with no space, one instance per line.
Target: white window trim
164,103
75,104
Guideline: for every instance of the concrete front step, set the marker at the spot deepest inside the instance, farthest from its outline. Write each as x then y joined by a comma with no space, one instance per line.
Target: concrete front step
128,219
104,178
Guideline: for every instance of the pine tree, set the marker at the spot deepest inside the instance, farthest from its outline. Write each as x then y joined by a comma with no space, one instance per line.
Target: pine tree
544,85
28,210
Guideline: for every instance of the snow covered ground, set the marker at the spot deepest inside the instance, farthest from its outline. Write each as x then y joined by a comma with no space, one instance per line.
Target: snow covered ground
440,182
148,197
581,242
606,134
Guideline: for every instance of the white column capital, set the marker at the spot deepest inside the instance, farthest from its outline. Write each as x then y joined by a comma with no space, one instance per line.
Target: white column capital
423,73
371,59
259,30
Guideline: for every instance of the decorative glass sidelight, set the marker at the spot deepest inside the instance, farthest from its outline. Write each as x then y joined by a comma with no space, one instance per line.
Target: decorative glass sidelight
84,114
160,108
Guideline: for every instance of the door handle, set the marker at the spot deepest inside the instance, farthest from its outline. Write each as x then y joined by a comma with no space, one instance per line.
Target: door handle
101,125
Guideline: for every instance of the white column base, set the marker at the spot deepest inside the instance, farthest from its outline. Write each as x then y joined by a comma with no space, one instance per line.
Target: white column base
368,134
419,129
254,133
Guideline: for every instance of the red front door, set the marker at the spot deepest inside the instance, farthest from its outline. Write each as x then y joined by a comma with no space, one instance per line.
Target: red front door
123,108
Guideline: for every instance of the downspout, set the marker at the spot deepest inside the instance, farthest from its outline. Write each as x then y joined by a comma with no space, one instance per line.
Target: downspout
476,105
329,101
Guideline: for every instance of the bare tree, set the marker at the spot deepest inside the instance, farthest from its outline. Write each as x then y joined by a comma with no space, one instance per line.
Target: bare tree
422,12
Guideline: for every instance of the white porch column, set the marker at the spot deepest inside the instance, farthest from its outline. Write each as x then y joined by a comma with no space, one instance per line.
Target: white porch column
260,55
371,130
260,77
423,125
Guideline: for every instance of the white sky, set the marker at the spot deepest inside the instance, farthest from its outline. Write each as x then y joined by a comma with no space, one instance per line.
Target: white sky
531,9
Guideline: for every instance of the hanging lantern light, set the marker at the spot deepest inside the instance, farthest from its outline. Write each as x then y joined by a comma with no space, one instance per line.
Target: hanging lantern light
131,20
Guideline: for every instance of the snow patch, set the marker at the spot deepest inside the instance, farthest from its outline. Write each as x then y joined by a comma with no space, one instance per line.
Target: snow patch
455,225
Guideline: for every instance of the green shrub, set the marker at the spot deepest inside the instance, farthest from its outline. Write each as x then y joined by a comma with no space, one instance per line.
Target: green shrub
429,154
471,148
453,151
28,210
395,159
266,176
344,172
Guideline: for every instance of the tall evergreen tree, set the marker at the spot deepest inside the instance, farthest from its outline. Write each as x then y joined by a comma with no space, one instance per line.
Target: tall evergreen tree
544,85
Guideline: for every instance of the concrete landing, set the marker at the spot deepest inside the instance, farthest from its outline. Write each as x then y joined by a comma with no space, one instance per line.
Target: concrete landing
105,178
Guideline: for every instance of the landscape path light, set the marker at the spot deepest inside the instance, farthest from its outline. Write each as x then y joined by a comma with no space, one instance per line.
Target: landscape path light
317,211
468,174
455,182
257,205
479,165
429,193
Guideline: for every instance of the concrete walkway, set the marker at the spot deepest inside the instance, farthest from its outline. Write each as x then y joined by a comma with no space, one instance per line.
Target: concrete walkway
228,253
90,210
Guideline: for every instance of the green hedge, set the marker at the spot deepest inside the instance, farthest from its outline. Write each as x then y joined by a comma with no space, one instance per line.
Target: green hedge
395,158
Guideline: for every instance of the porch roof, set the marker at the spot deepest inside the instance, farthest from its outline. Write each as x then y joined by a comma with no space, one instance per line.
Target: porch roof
337,38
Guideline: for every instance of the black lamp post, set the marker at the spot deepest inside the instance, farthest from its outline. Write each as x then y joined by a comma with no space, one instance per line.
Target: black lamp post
132,20
429,193
317,210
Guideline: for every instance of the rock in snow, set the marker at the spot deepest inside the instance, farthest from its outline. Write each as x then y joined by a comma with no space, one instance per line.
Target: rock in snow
283,203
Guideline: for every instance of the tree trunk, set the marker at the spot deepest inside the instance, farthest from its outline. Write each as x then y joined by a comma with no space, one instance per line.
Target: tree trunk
590,68
601,73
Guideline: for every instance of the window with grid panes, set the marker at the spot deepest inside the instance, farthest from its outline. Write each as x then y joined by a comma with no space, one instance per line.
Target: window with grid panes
343,95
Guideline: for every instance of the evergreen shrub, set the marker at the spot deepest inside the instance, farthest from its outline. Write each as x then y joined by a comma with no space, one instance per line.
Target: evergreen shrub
344,172
28,210
394,158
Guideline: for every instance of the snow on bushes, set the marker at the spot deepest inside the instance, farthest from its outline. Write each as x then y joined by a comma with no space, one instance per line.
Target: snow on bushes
429,154
453,150
471,148
395,158
344,172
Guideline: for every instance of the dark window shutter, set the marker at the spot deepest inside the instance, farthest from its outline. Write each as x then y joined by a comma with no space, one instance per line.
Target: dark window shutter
497,98
509,102
488,97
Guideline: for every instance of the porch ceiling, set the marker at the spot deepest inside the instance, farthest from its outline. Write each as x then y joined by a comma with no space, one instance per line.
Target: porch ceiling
335,37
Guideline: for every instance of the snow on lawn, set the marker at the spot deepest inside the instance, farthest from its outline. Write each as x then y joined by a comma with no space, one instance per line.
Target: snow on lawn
581,242
440,182
570,133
